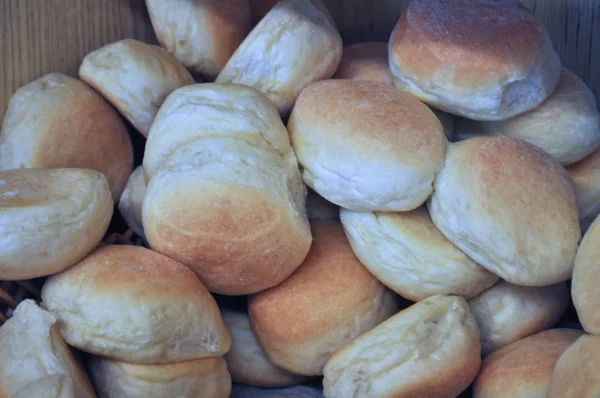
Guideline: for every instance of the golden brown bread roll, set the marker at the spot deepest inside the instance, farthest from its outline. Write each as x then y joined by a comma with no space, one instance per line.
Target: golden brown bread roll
327,302
56,122
132,304
586,176
50,219
132,200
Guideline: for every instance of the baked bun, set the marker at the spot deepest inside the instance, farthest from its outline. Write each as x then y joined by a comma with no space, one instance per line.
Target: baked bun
203,34
51,219
57,121
430,349
586,176
241,391
523,369
132,304
292,46
507,313
566,125
409,255
318,208
35,356
206,377
482,59
366,61
132,200
327,302
246,361
135,77
510,207
576,372
365,146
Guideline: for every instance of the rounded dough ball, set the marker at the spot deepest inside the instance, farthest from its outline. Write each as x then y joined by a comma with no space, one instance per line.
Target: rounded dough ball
132,200
586,176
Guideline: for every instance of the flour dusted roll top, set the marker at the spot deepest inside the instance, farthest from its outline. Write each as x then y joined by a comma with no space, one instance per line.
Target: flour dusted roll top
586,176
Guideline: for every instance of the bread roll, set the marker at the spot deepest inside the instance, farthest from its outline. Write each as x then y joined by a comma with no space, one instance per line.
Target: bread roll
409,255
132,304
523,369
132,200
366,147
318,208
576,372
485,60
241,391
507,313
135,77
430,349
330,300
201,34
292,46
566,125
510,207
246,361
586,176
206,378
50,219
57,121
36,359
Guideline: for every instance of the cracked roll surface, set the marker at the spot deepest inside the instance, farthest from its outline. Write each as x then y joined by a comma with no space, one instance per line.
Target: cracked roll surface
510,207
50,219
483,59
328,301
294,45
429,349
366,147
132,200
57,121
586,176
408,254
135,78
36,361
132,304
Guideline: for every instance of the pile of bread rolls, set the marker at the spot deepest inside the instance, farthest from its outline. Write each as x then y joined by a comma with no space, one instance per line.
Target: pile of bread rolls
394,219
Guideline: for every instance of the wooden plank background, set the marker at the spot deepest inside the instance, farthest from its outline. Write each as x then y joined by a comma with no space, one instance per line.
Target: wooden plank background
42,36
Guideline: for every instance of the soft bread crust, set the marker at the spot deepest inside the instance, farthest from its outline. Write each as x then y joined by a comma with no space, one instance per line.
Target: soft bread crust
318,208
201,34
132,200
135,77
50,219
586,176
524,368
366,61
576,372
132,304
292,46
484,59
36,359
206,377
507,313
408,254
57,121
365,146
566,125
430,349
246,361
242,391
327,302
510,207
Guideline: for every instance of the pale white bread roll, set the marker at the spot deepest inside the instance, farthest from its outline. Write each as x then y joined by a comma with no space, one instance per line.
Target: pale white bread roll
206,378
50,219
524,368
36,359
201,34
293,46
247,362
586,176
327,302
232,211
507,313
135,77
577,371
132,304
482,59
260,8
319,208
566,125
57,121
242,391
132,200
212,110
510,207
365,146
407,253
430,349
